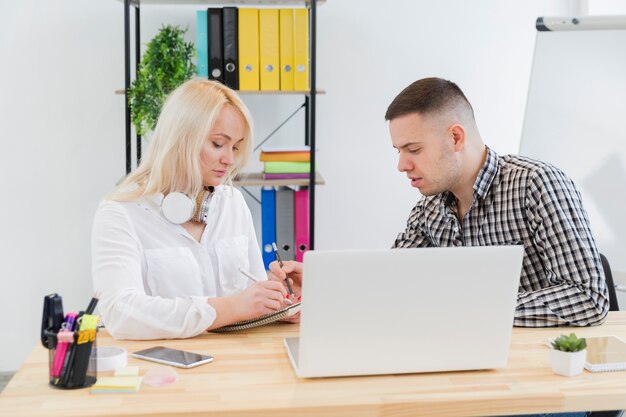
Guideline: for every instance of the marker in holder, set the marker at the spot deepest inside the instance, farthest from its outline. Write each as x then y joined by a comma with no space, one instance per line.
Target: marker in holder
72,358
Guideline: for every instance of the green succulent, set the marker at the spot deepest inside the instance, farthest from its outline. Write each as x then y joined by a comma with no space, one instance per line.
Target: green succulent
569,343
166,64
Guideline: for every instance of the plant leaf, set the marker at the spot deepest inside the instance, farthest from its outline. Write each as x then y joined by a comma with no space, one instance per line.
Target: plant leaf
166,64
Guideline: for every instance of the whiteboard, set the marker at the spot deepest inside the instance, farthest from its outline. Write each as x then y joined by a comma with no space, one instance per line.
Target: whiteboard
576,119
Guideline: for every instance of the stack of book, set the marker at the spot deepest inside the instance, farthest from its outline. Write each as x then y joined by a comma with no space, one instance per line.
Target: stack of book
286,163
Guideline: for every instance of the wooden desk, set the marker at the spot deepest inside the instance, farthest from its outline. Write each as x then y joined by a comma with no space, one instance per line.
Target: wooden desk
251,376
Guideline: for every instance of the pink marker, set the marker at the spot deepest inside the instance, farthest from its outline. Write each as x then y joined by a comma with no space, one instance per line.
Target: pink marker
65,337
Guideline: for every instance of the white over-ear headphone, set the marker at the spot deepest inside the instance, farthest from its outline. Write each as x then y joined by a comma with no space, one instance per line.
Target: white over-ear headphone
178,208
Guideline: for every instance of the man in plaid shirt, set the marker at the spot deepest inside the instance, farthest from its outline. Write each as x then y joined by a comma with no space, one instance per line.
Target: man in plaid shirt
474,197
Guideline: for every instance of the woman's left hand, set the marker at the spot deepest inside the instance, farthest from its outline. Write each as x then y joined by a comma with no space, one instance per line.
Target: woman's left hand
292,271
292,319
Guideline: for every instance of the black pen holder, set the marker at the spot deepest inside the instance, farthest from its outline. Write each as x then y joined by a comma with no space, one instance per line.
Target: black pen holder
72,358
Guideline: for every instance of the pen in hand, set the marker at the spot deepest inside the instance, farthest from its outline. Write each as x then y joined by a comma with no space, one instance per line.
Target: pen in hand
280,262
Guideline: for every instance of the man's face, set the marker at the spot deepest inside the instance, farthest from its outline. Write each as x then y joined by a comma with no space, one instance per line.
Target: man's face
426,151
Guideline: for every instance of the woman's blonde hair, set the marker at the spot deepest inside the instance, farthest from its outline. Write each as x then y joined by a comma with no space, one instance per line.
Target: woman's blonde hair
172,159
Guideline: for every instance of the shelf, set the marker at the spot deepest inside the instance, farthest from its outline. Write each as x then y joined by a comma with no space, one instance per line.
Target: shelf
251,179
280,92
309,97
222,2
260,92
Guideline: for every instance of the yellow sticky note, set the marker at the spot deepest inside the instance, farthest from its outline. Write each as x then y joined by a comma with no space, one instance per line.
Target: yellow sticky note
117,382
127,371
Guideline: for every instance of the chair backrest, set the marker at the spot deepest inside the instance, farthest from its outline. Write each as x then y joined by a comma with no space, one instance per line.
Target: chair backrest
609,283
613,307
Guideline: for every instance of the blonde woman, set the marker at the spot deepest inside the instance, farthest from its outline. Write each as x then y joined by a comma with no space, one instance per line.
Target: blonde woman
171,242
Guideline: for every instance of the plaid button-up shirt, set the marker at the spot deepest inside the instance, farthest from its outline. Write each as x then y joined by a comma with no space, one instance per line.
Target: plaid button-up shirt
518,200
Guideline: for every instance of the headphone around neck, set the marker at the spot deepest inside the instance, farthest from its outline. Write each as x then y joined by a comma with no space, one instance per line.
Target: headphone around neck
179,208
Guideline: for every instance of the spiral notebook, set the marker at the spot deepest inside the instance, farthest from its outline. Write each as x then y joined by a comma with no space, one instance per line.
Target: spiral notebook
605,354
260,321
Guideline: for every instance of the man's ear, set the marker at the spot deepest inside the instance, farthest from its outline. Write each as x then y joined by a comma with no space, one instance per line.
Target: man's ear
457,132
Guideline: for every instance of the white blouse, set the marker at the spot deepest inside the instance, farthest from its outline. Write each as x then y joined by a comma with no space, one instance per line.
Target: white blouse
155,278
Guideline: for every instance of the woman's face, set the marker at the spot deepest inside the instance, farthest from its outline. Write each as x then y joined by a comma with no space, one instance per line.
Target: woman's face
222,146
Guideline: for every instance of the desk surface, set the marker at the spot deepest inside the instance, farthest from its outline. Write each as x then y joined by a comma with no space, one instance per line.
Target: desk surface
252,376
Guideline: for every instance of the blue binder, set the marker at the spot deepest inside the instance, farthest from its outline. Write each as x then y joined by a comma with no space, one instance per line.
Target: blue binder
202,44
268,224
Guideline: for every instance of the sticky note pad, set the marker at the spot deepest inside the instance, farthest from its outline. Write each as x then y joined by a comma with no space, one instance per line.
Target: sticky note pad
127,371
116,384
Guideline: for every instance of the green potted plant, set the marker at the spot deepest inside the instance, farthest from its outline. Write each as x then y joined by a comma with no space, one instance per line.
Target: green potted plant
568,355
166,64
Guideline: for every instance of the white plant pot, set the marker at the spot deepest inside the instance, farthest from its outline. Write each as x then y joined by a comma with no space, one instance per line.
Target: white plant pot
568,363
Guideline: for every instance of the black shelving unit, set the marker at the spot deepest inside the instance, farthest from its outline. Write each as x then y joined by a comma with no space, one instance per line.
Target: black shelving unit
309,105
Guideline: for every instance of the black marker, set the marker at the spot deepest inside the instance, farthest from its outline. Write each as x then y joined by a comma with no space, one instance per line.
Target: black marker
92,304
280,262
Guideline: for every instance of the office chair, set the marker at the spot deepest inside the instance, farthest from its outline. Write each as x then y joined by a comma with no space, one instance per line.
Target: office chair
609,283
613,306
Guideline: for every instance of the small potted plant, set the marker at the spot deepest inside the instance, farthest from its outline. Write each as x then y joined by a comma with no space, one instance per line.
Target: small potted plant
568,355
166,64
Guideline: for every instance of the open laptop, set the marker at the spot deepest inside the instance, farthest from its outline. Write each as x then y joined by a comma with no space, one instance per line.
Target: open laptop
394,311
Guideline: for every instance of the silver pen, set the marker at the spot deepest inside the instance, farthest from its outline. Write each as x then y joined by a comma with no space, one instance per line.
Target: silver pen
249,275
255,279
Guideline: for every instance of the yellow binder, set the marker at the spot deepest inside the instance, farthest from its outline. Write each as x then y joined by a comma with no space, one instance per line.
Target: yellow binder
286,49
301,49
269,50
248,32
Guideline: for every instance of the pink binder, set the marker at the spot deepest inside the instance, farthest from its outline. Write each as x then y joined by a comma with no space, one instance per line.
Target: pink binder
301,222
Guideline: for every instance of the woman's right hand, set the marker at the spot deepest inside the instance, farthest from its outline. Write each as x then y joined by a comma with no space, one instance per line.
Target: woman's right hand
264,297
260,298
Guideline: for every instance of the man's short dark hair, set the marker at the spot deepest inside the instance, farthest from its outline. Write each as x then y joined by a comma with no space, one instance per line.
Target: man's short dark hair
427,96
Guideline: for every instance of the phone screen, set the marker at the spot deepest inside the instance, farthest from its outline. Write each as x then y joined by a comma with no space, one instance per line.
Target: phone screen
173,356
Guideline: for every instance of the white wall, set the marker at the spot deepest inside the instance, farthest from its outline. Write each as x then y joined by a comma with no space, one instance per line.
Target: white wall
603,7
608,7
62,140
63,135
484,46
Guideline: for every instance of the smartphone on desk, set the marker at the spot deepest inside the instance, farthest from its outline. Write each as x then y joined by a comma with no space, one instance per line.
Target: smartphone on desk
173,357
